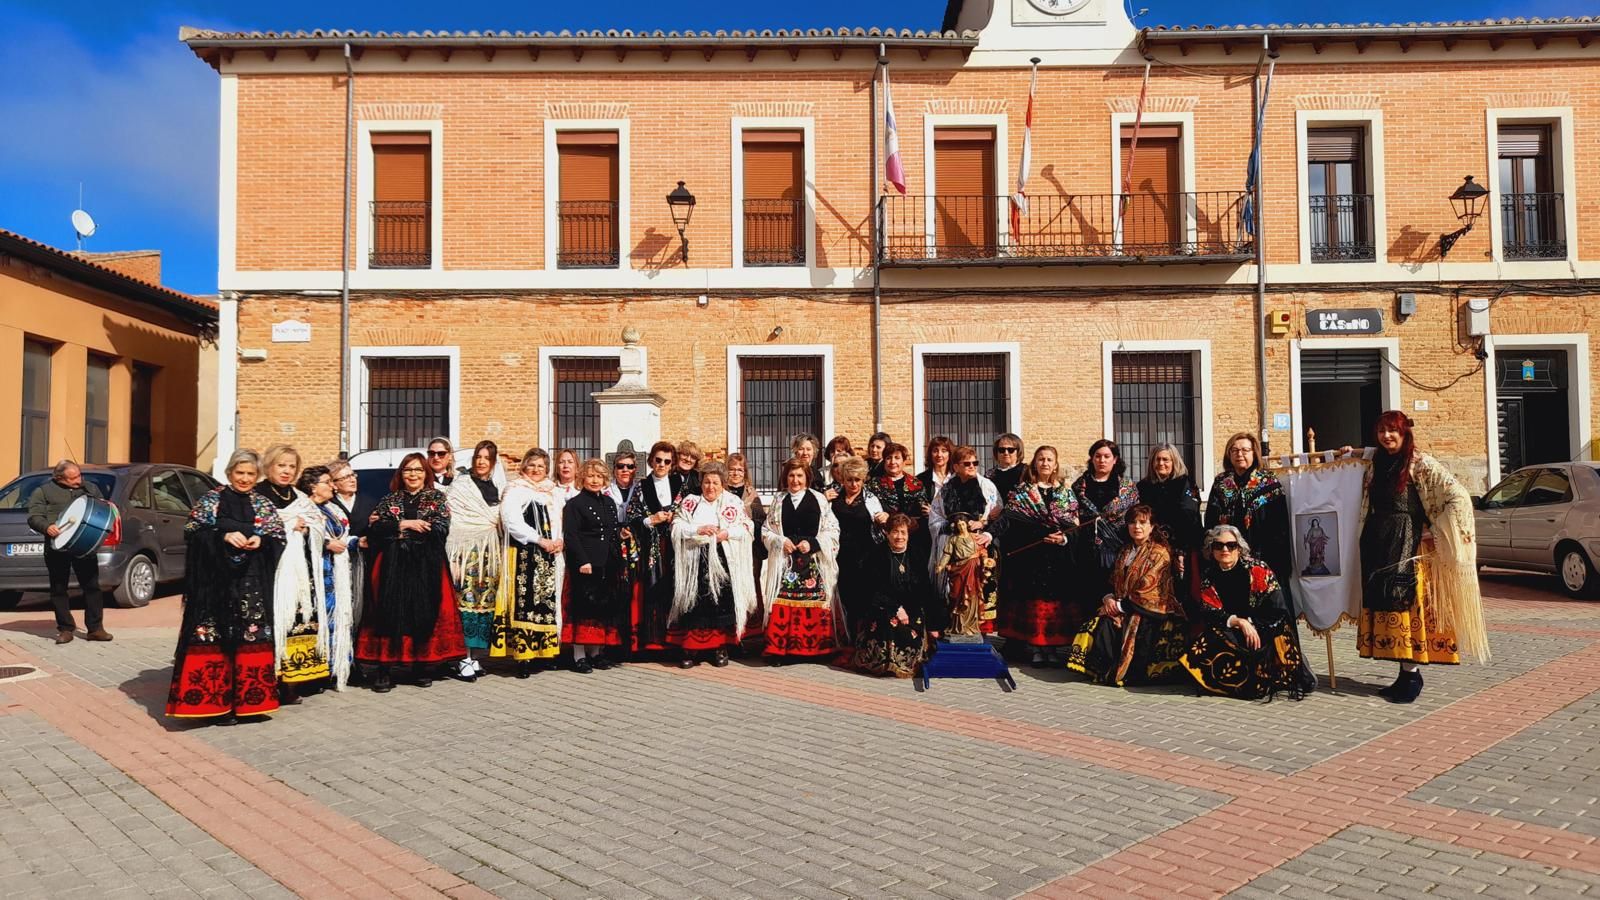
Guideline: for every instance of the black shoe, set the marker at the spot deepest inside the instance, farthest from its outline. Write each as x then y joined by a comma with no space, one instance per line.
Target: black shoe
600,662
1391,690
1409,690
524,669
224,721
465,672
288,696
583,667
688,662
382,683
720,658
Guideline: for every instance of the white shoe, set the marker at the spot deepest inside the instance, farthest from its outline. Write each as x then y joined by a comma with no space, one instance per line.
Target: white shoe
477,666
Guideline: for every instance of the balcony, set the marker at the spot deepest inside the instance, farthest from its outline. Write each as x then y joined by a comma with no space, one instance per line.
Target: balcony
774,233
1341,228
588,234
400,232
1078,229
1531,226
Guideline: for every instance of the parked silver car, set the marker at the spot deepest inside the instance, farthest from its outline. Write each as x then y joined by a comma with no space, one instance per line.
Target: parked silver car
147,549
1544,518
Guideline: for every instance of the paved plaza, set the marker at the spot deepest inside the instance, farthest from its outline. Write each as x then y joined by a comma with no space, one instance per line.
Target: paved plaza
809,781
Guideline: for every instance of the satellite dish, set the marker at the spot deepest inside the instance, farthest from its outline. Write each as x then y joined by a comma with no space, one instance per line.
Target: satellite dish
82,223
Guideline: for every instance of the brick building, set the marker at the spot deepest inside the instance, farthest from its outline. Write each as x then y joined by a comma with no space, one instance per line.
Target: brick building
507,216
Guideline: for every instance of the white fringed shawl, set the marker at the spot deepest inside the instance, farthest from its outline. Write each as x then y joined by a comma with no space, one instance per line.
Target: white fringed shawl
474,527
827,556
294,591
726,513
342,629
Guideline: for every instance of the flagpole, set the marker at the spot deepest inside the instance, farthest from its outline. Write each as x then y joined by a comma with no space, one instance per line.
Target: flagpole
1260,93
880,63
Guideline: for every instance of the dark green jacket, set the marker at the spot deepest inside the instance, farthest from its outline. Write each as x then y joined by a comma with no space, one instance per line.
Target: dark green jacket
52,499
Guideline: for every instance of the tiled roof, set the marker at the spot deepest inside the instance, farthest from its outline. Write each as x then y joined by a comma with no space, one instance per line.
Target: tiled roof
1379,28
107,279
608,37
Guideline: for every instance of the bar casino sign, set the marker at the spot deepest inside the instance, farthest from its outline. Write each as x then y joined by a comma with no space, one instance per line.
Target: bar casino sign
1366,320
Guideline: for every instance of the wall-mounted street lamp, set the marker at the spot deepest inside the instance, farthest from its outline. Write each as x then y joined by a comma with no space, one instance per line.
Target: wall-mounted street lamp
681,202
1468,201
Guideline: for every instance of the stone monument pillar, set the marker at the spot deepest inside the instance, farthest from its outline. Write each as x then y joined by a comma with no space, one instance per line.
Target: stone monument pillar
629,410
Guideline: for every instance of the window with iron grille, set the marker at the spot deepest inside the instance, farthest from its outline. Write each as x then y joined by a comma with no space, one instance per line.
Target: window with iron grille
402,185
587,164
965,397
35,404
97,409
779,397
141,413
1153,401
408,401
574,414
1339,206
1530,206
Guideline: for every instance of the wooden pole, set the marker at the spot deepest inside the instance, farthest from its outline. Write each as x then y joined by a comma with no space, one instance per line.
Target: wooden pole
1333,681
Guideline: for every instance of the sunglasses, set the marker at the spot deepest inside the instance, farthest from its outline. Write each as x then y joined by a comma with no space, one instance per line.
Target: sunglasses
1226,545
625,466
970,463
661,461
1007,449
438,452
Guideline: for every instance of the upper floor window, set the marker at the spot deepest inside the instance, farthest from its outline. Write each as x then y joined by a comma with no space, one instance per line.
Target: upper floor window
402,185
587,164
774,204
1530,206
1152,210
965,203
1338,196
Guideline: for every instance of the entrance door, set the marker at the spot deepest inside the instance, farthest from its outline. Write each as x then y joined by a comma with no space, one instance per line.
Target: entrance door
1341,396
1533,422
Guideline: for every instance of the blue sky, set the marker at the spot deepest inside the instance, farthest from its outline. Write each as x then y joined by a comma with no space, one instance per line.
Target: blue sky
102,93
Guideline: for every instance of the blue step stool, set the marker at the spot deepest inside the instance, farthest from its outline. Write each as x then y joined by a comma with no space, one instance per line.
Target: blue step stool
965,656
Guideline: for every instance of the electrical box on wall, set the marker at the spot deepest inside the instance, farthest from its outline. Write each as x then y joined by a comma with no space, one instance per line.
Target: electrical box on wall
1278,322
1405,306
1477,314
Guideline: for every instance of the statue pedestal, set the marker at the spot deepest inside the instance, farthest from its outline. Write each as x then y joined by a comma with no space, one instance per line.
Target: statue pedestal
629,410
965,656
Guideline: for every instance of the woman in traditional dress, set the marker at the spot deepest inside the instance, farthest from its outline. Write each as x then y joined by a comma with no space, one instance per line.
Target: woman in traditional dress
1139,635
1104,494
410,617
1008,470
476,547
300,625
876,445
357,511
1250,498
859,514
686,458
1249,647
527,615
1419,563
801,576
1170,492
225,664
1038,608
806,447
898,491
337,584
442,462
838,448
567,485
937,460
891,635
622,490
739,485
595,610
716,592
649,519
971,496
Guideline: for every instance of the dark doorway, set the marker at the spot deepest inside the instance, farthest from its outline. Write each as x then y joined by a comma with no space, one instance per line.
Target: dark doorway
1341,397
1533,420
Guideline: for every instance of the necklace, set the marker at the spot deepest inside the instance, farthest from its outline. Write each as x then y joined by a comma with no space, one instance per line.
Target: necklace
285,495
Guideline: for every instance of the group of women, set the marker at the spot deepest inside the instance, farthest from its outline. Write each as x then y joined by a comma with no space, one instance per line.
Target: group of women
294,586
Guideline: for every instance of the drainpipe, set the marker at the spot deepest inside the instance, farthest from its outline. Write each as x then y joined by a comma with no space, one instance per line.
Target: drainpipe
877,251
1257,99
344,248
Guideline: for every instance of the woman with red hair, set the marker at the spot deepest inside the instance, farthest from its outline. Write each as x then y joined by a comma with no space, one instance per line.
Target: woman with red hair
1419,568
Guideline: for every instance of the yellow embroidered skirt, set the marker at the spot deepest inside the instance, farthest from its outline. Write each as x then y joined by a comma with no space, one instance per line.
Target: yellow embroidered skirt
301,662
525,607
1408,635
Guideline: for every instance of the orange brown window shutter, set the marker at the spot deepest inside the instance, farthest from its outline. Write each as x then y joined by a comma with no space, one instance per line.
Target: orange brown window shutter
963,160
773,165
588,172
400,171
1152,215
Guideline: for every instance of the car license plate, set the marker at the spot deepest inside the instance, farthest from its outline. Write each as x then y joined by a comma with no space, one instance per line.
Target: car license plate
24,549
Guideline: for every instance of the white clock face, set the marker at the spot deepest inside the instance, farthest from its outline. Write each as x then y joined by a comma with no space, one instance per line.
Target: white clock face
1058,7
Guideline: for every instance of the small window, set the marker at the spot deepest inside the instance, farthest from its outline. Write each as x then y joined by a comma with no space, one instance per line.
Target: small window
167,494
966,398
1508,492
402,186
1153,401
587,163
1337,199
408,401
779,397
774,208
35,404
1548,487
97,410
574,413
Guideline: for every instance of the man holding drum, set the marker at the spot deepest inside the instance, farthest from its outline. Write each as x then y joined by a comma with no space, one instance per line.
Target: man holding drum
45,507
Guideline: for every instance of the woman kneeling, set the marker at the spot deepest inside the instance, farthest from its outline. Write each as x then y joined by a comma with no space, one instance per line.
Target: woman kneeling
1140,633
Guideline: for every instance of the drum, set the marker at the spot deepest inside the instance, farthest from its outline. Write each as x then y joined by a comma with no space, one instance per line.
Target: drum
85,526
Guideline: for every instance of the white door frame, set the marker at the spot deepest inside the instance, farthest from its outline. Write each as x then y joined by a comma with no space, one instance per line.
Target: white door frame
1389,351
1576,347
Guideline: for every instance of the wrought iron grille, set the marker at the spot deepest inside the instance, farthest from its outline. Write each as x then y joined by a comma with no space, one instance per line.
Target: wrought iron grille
1153,401
1532,226
1341,228
573,411
1192,226
965,398
408,401
779,397
588,234
400,235
774,233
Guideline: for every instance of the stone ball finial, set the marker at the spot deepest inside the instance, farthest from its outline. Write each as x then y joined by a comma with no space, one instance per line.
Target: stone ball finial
630,334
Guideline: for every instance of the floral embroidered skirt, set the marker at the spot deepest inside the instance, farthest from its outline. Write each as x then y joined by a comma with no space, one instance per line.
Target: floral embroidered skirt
476,594
885,647
592,610
800,622
524,621
444,644
1407,635
209,681
1131,649
1222,664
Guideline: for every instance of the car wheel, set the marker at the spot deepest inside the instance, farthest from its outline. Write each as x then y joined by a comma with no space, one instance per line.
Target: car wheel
138,583
10,599
1576,572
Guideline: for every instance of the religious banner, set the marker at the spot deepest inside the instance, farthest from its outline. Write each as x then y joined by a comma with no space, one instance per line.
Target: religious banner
1325,515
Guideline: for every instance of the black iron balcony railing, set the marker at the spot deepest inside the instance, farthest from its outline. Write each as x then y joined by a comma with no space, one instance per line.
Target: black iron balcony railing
1341,228
1196,226
1532,226
774,233
588,234
400,235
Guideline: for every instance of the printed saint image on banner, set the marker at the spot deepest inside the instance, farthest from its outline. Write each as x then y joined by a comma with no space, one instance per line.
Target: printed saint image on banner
1318,537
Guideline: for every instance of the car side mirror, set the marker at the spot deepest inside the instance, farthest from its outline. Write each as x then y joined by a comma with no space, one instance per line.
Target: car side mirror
1477,502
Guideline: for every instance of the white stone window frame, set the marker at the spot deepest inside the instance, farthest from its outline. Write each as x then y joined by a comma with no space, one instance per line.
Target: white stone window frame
1390,384
1204,468
1186,172
1579,403
547,380
808,187
931,122
365,177
1012,350
1564,173
552,189
736,374
358,385
1370,121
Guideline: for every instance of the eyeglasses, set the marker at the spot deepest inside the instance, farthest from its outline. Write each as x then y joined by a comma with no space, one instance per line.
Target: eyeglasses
345,475
1007,449
1229,546
661,461
968,463
412,470
438,452
629,466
